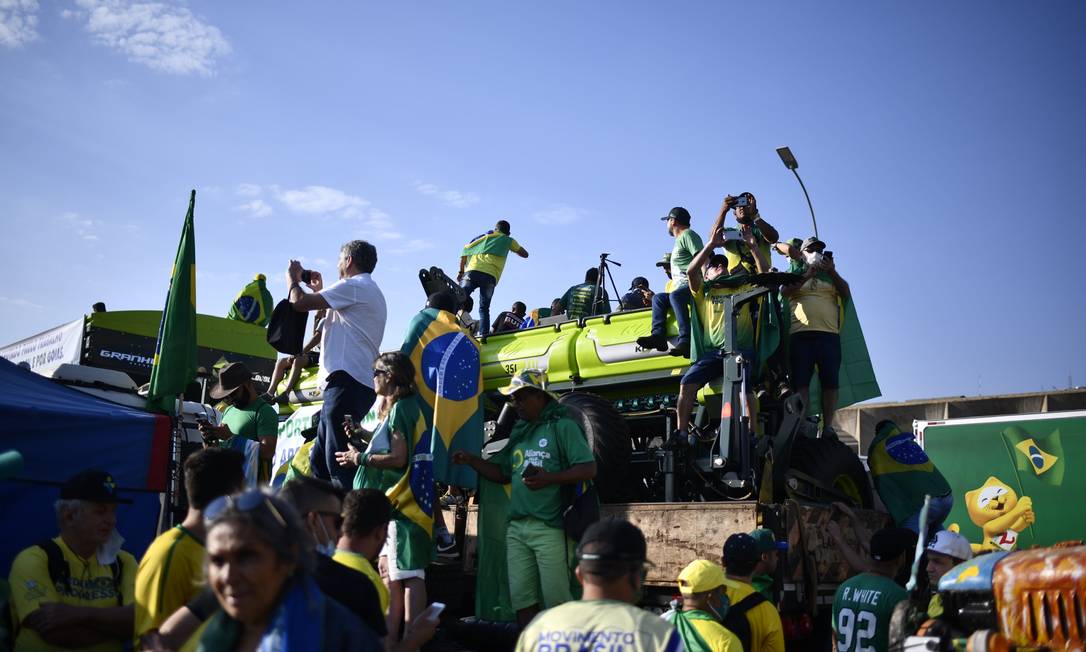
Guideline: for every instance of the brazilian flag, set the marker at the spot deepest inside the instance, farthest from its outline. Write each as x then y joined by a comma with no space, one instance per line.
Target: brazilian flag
253,304
1042,455
412,496
174,364
492,579
449,377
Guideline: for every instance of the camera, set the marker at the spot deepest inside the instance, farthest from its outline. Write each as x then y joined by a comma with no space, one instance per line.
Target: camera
306,275
742,201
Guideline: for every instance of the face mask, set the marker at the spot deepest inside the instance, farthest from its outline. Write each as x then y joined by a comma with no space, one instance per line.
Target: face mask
328,548
107,552
813,258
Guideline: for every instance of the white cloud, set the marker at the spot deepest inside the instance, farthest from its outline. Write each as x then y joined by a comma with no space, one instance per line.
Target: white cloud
412,246
248,190
561,215
20,303
256,208
454,198
165,38
84,227
317,200
18,22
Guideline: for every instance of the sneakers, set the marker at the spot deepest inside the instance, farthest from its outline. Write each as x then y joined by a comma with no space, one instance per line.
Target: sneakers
446,544
658,342
449,500
681,350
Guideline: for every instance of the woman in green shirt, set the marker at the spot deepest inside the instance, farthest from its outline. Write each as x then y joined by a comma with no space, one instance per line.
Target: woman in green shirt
391,430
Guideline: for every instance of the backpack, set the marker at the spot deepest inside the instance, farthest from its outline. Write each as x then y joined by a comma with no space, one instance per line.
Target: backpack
61,573
736,618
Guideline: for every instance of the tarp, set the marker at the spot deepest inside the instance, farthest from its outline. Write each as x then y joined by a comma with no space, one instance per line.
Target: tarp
60,432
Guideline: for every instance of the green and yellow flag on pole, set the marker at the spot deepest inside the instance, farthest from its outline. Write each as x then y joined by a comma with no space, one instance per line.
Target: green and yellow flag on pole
174,364
449,377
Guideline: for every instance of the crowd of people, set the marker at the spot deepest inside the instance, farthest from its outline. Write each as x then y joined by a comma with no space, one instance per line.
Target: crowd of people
329,562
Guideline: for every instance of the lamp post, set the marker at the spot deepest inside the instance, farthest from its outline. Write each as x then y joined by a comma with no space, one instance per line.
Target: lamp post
790,162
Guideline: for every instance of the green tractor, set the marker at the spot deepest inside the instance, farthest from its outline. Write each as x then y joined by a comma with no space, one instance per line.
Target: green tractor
625,400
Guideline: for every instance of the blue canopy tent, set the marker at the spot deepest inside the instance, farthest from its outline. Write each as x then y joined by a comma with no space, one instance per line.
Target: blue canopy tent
60,432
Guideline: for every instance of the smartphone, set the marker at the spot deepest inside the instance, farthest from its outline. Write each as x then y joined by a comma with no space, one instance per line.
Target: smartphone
433,612
350,419
827,254
530,470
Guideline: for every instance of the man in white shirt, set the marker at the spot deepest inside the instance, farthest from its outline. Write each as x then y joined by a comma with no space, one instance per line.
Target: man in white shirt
352,334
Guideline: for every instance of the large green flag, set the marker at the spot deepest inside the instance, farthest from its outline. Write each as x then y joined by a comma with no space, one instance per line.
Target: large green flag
174,364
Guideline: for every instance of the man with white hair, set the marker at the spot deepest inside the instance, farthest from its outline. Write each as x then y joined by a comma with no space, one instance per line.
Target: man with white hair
946,550
76,590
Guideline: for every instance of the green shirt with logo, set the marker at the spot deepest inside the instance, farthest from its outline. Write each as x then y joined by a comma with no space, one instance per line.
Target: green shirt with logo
553,442
862,609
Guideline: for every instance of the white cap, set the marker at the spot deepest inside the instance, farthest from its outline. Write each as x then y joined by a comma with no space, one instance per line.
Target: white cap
951,544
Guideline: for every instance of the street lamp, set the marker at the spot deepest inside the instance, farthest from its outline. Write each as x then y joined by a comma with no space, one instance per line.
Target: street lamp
790,162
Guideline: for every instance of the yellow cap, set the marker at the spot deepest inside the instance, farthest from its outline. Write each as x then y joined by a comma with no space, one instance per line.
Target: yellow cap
529,378
700,576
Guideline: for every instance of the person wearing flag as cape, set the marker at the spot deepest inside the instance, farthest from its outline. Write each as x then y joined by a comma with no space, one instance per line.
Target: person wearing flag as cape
397,461
710,283
481,263
815,332
546,450
705,601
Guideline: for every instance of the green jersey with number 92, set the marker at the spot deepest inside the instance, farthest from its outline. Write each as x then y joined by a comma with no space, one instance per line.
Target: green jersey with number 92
861,612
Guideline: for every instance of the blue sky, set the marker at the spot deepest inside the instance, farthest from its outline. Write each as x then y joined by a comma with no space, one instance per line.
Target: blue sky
942,145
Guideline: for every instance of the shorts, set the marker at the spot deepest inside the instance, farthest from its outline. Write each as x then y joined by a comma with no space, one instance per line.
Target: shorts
389,553
709,367
810,348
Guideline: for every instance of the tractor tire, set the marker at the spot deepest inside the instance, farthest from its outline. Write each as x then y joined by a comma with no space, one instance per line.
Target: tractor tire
834,464
609,438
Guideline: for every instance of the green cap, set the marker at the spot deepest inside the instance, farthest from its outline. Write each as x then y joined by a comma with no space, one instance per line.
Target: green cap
11,462
764,539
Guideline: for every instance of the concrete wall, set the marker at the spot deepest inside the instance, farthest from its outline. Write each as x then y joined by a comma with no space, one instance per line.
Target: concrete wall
856,424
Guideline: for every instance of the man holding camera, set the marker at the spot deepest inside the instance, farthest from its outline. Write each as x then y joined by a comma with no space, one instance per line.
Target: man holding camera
815,333
687,244
737,250
352,334
639,296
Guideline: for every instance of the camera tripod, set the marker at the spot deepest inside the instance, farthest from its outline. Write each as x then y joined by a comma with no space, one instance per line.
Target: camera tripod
597,293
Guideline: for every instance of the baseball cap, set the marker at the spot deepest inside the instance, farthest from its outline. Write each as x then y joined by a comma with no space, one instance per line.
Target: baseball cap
764,540
740,548
889,543
665,261
612,539
231,377
718,259
639,282
811,241
11,463
529,378
679,214
93,486
951,544
700,576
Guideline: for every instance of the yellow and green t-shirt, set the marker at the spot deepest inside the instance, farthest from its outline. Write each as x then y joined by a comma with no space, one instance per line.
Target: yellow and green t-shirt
170,574
362,565
714,637
738,253
710,305
91,586
487,253
599,625
815,307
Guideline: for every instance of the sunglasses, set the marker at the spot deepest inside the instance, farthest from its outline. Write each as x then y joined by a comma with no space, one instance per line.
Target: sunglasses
381,372
246,501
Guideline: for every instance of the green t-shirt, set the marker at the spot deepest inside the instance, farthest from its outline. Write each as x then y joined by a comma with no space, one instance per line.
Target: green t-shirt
861,612
708,328
902,472
255,420
553,442
400,419
687,245
579,301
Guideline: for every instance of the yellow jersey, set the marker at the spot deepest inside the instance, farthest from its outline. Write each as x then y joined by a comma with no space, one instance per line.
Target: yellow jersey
170,574
362,565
